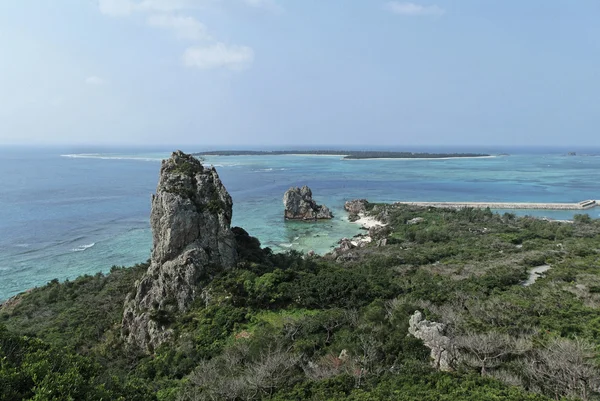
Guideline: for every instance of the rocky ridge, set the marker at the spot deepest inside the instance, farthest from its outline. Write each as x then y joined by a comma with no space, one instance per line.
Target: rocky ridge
190,221
299,205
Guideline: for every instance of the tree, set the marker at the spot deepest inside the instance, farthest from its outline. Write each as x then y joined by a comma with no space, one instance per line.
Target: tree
565,368
488,350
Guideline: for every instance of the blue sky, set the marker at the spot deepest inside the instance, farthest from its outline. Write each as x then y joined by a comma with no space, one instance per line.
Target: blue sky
305,72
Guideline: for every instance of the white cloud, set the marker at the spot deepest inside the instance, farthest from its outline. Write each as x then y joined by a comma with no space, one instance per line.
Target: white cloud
160,14
219,55
184,27
162,5
121,8
412,9
94,80
115,8
269,5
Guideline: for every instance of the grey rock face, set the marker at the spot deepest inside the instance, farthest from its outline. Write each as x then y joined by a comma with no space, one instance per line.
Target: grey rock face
356,206
378,232
299,205
190,221
432,335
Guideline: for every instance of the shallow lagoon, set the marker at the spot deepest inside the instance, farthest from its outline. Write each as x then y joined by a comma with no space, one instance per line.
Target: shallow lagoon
62,216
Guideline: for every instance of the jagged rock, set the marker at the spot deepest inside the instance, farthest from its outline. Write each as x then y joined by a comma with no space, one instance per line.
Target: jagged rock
416,220
356,206
345,245
190,221
299,205
341,252
432,335
378,231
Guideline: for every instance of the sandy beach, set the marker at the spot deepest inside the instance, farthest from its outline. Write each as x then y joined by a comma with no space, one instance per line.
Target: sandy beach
368,221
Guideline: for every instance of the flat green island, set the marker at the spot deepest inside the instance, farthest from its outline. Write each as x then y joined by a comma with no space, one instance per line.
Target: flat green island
347,154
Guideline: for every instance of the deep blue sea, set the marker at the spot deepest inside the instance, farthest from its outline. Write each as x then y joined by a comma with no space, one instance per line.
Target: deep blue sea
67,212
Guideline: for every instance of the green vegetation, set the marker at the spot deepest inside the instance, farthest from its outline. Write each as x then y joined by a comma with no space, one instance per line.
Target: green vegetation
348,154
292,327
187,165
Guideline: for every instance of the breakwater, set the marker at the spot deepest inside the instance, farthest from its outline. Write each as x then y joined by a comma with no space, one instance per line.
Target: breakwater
583,205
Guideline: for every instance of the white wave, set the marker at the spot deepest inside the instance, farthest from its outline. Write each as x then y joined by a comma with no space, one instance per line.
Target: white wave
82,248
286,245
224,164
105,157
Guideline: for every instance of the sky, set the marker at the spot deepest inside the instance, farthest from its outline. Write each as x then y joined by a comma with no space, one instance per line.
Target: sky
235,73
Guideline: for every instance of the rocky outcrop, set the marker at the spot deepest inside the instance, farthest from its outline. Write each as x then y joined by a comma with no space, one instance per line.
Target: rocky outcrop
377,232
299,205
432,335
190,221
355,208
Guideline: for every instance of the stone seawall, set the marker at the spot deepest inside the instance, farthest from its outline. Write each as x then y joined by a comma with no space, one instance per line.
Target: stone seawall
587,204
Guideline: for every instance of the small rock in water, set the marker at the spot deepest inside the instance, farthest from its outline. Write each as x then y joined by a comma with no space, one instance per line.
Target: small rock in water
299,205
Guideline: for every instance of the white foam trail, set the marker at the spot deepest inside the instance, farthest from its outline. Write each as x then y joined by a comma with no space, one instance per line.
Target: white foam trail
104,157
82,248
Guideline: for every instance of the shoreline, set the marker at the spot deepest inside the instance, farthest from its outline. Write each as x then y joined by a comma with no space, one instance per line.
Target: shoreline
583,205
367,222
423,158
347,154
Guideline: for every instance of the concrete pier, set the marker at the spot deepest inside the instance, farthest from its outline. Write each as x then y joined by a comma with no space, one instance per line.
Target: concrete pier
583,205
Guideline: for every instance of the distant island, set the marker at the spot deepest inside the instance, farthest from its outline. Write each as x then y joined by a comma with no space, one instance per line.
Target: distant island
347,154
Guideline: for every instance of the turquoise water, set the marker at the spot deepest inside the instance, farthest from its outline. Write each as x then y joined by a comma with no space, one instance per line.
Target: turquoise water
65,214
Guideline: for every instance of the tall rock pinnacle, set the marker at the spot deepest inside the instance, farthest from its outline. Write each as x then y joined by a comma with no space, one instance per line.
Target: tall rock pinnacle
190,221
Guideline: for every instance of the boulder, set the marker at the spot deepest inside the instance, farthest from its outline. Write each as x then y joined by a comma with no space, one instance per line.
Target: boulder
192,240
299,205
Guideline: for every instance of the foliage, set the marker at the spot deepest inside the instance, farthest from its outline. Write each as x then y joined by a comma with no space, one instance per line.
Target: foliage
292,327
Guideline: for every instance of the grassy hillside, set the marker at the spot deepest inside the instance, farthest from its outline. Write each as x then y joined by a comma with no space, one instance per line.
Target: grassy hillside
291,327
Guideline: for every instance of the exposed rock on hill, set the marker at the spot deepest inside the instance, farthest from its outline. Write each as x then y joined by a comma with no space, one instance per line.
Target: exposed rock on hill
190,221
432,335
299,205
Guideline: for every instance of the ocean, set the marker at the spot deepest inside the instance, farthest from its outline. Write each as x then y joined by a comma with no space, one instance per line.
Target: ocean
68,212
